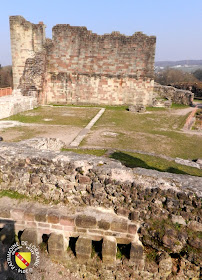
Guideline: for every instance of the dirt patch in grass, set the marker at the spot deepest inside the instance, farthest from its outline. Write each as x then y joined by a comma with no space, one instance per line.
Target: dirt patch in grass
64,133
63,123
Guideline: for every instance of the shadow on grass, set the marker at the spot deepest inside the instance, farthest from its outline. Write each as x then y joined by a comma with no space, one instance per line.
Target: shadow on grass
131,161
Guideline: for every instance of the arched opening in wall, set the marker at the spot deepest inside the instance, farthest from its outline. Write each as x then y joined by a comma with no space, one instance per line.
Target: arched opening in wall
97,249
72,245
123,251
44,243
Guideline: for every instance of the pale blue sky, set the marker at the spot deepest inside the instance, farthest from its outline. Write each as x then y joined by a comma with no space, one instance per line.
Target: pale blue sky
176,23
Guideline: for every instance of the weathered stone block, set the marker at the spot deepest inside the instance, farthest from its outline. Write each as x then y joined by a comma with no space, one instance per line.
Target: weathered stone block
123,212
17,214
136,255
195,226
83,248
84,179
165,264
134,216
29,216
56,245
132,228
30,235
102,224
85,221
53,218
40,216
109,249
4,212
66,221
123,240
119,225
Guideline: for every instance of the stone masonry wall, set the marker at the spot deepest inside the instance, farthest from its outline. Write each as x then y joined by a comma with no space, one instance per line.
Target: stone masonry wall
177,96
88,225
160,213
26,40
14,104
78,66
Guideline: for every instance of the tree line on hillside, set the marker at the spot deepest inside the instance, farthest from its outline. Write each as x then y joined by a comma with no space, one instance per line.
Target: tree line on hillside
181,80
6,77
172,76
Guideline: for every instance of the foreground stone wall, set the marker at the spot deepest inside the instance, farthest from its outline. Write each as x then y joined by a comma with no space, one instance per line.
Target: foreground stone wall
84,226
161,211
78,66
177,96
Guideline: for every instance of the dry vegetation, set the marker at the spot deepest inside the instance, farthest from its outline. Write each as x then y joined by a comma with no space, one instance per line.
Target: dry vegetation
6,79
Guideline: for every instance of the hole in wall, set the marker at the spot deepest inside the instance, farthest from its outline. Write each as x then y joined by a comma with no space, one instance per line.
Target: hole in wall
123,251
20,232
72,244
97,248
44,244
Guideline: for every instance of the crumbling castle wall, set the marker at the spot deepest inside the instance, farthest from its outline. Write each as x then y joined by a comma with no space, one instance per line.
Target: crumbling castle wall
177,96
26,40
78,66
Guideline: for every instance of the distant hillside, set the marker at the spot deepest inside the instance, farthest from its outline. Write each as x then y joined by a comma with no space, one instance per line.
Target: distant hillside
184,65
6,79
179,62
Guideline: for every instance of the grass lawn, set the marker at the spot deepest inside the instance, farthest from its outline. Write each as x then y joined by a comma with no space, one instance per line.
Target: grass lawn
151,162
57,116
157,131
140,160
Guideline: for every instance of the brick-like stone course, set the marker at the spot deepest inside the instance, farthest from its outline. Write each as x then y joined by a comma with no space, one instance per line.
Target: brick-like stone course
78,66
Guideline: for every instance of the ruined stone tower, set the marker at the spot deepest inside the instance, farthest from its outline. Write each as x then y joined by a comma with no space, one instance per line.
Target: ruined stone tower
80,67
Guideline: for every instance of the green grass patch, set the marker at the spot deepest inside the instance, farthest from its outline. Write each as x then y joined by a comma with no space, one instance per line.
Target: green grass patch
198,100
57,116
152,162
108,107
156,109
159,132
12,194
86,151
133,160
179,106
119,254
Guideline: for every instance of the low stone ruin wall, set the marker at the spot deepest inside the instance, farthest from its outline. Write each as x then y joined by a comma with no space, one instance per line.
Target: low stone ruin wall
14,104
157,215
85,226
177,96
